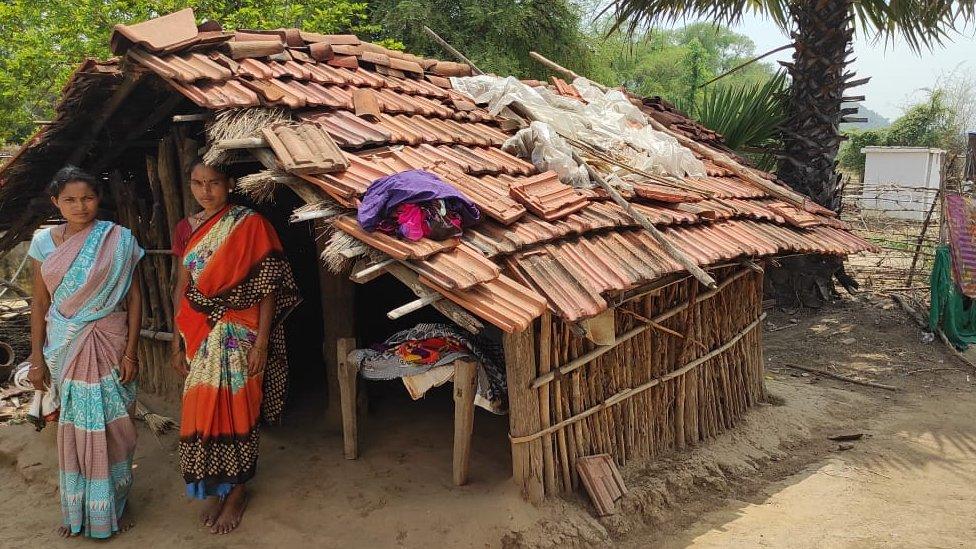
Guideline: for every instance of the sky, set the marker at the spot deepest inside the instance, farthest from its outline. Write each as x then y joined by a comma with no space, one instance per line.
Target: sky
897,73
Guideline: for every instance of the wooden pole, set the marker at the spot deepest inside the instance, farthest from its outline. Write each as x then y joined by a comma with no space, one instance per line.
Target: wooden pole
523,414
545,365
338,315
556,67
840,377
450,49
348,374
465,387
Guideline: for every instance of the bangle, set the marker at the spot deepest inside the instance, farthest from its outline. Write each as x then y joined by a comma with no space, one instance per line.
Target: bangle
125,356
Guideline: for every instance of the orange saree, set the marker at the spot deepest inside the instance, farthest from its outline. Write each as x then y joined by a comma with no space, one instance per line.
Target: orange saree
235,260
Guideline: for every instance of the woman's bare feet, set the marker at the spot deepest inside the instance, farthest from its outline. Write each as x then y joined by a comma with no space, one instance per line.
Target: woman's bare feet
230,515
211,511
65,532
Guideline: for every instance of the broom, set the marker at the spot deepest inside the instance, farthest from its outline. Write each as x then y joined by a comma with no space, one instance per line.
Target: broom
158,424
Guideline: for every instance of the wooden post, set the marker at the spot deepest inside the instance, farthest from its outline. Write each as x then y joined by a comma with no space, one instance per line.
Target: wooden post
348,374
465,387
545,365
523,414
338,309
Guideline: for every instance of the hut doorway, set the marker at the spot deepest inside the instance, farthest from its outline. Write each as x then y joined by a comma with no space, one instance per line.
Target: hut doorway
304,327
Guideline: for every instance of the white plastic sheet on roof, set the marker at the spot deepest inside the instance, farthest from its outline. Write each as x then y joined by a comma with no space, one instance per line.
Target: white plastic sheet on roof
607,120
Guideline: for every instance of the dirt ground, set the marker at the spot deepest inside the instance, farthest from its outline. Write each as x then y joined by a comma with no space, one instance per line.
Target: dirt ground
774,481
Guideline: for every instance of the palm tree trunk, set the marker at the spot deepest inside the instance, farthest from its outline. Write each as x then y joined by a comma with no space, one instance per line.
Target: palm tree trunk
823,37
811,134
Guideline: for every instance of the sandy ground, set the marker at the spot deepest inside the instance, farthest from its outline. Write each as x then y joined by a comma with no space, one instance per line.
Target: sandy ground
774,481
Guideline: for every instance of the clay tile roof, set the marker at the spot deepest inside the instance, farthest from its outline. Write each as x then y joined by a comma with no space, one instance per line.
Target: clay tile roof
156,34
362,111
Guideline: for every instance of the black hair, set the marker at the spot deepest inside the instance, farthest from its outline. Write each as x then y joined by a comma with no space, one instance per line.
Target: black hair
68,174
198,161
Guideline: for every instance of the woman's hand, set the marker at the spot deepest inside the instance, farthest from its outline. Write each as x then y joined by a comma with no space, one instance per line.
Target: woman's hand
38,374
257,359
178,361
128,368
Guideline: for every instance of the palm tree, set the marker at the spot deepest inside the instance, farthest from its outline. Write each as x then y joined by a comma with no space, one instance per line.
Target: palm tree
822,32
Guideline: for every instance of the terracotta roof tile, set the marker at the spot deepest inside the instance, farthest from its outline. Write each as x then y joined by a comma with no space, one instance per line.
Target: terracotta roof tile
156,34
394,247
502,302
358,176
793,215
547,197
565,289
662,193
219,95
458,269
348,129
491,200
305,148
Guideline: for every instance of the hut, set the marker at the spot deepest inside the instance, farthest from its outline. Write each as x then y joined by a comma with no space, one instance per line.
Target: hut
629,313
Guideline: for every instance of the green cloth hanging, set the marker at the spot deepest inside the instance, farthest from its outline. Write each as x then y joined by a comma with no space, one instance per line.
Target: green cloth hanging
947,311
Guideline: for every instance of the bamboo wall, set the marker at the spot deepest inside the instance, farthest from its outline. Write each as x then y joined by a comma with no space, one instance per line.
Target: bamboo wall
681,379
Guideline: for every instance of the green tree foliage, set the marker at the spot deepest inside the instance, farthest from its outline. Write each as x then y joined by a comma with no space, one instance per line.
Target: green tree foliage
42,42
934,122
674,64
496,35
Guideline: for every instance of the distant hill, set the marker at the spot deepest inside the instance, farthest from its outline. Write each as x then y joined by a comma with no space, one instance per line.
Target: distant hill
875,120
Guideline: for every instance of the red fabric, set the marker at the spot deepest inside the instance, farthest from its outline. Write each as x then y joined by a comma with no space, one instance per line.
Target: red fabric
181,237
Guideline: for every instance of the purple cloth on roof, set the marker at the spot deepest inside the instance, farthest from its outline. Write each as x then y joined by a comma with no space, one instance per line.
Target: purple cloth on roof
413,186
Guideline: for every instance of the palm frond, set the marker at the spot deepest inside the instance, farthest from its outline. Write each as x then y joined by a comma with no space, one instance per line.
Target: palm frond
748,116
921,23
640,14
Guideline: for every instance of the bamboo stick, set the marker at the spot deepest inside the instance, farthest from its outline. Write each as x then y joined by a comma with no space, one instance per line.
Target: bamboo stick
840,377
599,351
545,365
450,49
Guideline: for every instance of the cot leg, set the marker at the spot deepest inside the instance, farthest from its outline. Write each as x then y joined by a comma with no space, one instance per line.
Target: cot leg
347,396
465,386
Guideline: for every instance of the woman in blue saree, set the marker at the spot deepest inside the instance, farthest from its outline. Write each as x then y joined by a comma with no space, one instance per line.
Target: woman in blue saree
86,312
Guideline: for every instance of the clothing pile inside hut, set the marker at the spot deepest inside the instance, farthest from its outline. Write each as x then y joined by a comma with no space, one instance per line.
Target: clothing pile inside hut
613,246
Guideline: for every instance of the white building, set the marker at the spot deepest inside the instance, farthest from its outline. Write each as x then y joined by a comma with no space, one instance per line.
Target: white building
901,182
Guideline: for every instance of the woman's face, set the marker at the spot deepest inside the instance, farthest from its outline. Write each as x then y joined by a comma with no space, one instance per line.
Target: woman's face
77,202
209,187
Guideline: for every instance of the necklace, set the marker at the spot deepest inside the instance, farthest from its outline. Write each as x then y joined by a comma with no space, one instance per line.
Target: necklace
64,232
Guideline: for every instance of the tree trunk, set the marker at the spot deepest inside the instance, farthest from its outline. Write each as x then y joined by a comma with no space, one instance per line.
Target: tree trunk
823,36
811,134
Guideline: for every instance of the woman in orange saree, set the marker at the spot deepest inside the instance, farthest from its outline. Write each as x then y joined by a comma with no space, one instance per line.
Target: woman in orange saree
234,289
